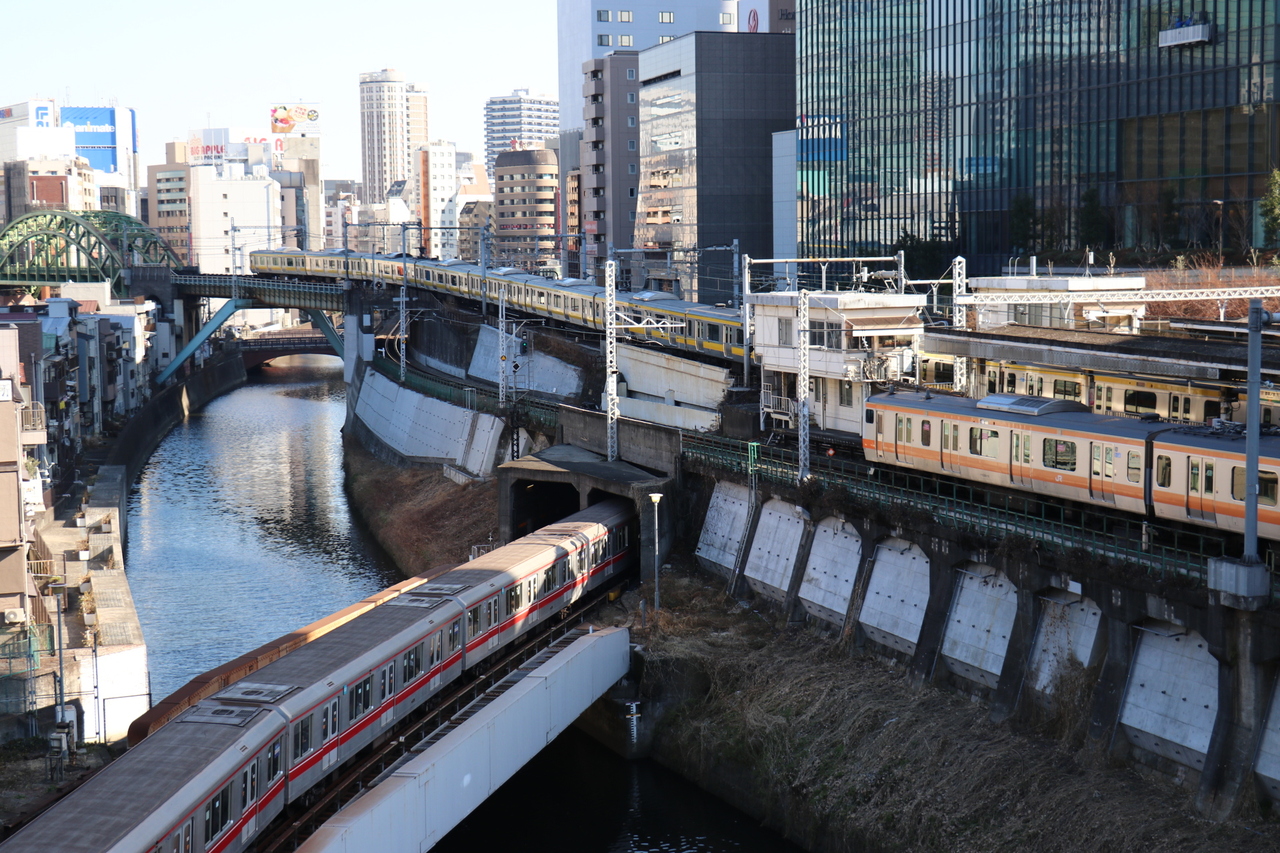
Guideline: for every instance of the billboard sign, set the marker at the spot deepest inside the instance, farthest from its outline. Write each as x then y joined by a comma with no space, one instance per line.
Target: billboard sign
295,118
94,126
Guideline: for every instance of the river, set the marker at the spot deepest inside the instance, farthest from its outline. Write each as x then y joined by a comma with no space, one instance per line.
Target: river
239,531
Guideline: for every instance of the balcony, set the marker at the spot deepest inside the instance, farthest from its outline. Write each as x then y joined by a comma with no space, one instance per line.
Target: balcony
591,111
592,87
32,423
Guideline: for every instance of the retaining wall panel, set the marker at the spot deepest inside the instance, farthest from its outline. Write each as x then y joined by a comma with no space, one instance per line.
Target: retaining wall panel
897,595
774,549
831,571
724,528
978,627
1172,699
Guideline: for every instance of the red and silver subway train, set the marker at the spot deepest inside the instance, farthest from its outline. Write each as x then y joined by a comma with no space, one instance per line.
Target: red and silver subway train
212,778
1059,449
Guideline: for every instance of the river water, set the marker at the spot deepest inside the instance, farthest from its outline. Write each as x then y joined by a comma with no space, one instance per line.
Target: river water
239,531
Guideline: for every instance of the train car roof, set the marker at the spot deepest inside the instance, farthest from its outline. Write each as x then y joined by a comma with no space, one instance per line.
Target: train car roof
124,794
334,656
1229,437
1081,420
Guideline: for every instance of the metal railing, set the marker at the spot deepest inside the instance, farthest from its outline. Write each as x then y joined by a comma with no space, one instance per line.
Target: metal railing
20,652
972,509
32,417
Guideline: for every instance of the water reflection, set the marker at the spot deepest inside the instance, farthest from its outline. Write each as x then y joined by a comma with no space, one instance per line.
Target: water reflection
239,529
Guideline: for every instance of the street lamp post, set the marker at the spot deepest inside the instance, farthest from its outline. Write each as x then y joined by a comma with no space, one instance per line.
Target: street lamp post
656,497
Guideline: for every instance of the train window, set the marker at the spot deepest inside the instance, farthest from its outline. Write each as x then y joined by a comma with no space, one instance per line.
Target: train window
1164,471
904,430
491,612
1134,466
1065,389
302,737
1059,454
1175,404
245,799
1011,383
388,681
1268,484
273,759
473,621
411,664
549,577
1039,386
1212,409
531,594
217,814
1109,462
870,416
992,378
984,442
436,652
713,333
360,698
926,430
1137,402
455,635
513,598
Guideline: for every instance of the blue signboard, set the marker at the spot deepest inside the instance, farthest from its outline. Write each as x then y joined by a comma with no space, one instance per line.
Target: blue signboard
95,135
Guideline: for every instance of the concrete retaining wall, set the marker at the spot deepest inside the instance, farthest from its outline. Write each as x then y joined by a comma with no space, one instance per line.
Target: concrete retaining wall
1178,682
424,429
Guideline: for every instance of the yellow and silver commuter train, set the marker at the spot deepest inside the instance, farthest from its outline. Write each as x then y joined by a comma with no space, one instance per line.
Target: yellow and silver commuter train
710,330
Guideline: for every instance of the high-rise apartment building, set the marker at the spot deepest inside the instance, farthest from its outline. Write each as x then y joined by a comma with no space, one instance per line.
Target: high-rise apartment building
517,121
437,179
592,29
610,157
393,125
1042,126
525,188
709,106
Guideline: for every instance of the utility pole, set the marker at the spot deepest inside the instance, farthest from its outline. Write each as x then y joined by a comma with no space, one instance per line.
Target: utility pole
611,356
502,349
802,386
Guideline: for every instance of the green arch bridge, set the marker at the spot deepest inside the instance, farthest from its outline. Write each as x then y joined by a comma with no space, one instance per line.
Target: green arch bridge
58,246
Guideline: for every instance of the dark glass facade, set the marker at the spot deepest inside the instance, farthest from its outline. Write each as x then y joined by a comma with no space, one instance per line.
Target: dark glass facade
709,105
953,120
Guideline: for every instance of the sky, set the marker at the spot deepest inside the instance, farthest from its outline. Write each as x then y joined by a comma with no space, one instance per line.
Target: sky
184,67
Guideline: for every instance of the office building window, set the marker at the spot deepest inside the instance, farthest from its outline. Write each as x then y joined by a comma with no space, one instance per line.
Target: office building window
602,15
631,97
624,41
604,40
624,16
631,74
631,145
631,121
631,168
664,39
726,18
666,17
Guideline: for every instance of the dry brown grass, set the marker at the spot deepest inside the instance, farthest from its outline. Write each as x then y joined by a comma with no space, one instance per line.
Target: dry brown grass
856,758
420,518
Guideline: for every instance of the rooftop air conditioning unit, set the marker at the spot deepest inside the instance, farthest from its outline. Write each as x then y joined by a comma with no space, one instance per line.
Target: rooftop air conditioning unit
17,616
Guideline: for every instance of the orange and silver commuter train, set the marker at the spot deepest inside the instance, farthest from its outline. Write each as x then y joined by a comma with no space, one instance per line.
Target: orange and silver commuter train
1059,449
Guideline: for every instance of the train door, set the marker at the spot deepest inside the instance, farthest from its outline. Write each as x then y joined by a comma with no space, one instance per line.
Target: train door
950,439
1020,458
903,440
1102,471
1200,488
248,798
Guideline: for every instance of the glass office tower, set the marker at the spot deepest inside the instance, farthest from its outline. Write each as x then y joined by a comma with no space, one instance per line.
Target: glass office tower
1113,123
